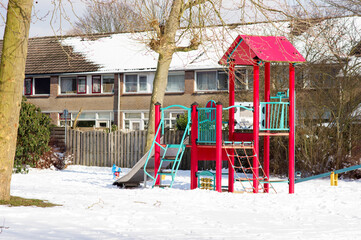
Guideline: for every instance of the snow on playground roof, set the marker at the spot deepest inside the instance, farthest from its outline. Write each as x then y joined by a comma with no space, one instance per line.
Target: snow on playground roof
127,52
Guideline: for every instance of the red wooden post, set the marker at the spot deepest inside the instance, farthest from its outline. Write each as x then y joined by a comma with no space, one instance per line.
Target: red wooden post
157,139
266,139
231,83
291,139
255,127
219,110
194,150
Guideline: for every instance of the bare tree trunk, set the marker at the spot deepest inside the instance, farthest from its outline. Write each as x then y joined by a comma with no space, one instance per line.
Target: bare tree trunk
159,87
12,73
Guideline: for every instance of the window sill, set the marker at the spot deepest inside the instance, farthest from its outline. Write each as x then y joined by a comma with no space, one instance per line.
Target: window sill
136,94
38,96
210,92
174,93
85,95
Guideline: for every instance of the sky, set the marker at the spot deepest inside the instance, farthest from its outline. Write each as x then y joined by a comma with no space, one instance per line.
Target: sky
49,19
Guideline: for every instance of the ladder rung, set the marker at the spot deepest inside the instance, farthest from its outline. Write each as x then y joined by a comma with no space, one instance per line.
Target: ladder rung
166,173
169,159
175,145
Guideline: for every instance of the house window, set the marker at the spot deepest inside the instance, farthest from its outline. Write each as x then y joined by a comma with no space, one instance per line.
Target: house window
108,83
175,83
96,83
81,85
88,119
244,79
135,120
69,121
136,83
36,86
218,80
42,85
68,85
28,86
170,119
212,80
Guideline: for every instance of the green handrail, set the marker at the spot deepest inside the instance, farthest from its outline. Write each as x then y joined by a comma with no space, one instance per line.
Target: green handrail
161,127
240,106
327,174
152,147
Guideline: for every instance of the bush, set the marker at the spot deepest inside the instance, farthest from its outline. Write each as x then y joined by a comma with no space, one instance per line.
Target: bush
33,136
182,120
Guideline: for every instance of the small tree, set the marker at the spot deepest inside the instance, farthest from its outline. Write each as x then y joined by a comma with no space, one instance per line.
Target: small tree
104,17
33,136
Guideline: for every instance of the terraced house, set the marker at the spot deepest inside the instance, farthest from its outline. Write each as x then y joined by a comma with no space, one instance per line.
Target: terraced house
109,76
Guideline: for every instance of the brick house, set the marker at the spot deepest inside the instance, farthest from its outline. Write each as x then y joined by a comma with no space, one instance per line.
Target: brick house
101,75
109,76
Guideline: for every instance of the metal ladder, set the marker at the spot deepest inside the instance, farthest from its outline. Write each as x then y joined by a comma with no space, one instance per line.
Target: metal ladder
174,161
167,158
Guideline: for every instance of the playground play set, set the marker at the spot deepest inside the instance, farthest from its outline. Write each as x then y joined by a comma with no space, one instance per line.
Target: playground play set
241,149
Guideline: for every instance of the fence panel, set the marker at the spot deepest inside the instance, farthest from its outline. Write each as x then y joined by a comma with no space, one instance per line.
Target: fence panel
124,149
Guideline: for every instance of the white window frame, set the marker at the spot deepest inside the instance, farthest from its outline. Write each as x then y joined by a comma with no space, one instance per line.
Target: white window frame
141,120
138,83
172,116
102,82
177,74
96,118
212,90
76,81
247,85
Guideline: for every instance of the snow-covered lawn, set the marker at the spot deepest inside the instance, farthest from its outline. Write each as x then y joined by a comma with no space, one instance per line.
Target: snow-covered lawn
94,209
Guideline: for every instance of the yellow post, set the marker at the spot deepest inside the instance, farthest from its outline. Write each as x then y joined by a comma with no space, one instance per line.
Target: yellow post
334,179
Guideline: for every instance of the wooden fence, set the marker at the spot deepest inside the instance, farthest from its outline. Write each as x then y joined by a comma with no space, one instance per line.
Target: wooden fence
97,148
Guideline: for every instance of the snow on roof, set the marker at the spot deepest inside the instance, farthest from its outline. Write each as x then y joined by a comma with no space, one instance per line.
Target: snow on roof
127,52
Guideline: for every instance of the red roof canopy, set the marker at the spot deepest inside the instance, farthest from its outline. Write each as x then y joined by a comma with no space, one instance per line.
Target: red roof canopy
247,50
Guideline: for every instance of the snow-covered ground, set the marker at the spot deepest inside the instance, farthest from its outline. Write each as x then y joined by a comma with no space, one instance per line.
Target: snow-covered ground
94,209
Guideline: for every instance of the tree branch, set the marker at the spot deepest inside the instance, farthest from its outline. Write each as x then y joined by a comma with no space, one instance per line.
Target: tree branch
192,3
194,44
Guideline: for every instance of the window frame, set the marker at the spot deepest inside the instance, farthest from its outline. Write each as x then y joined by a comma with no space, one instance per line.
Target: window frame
78,79
216,84
73,78
109,119
34,86
176,74
138,83
143,120
31,86
100,83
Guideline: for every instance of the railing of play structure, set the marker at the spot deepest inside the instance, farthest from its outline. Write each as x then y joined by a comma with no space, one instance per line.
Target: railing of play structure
278,116
206,125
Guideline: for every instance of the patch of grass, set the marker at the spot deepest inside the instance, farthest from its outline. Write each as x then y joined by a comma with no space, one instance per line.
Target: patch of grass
18,201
